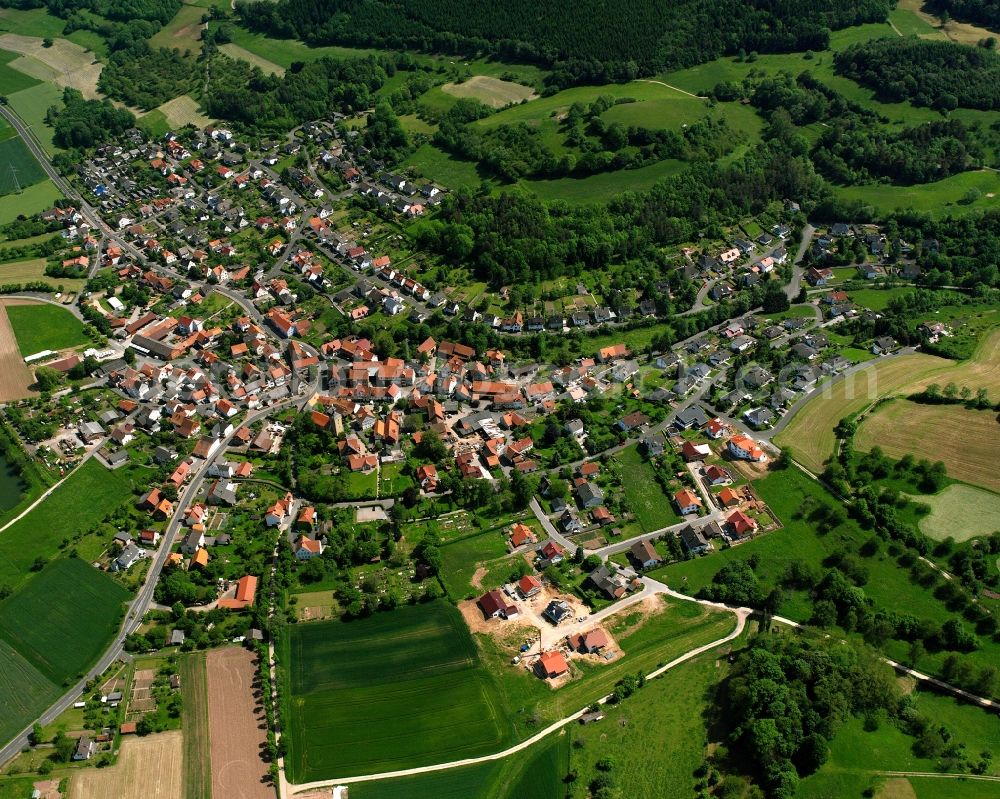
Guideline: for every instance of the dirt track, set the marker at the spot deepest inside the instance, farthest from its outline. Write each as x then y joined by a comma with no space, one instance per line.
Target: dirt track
149,768
15,376
236,727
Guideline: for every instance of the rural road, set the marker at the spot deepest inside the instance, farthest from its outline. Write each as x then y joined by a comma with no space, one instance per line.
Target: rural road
138,606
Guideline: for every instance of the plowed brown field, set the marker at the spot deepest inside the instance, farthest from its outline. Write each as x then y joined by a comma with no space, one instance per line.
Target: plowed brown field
236,727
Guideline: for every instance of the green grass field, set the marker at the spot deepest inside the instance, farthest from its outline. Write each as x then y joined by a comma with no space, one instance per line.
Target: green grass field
183,32
14,154
940,198
470,782
413,677
80,607
86,496
24,691
45,327
652,508
12,80
31,104
961,512
194,720
602,186
460,559
33,199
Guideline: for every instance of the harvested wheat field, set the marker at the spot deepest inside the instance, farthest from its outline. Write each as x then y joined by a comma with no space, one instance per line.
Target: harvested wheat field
810,433
236,726
65,63
965,440
494,92
982,370
15,376
183,111
148,768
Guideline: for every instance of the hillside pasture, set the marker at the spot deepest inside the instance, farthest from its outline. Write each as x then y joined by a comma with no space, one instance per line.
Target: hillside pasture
963,439
183,32
953,195
493,92
40,326
31,200
81,608
412,675
65,63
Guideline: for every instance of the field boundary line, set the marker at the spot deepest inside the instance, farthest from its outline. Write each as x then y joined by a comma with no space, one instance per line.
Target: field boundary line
675,88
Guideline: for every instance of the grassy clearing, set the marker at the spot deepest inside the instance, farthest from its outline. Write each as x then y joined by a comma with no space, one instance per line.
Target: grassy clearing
285,52
154,122
80,606
31,22
435,164
603,186
903,427
493,92
460,559
45,327
655,741
194,718
33,199
810,433
877,299
182,111
31,104
242,54
652,508
413,675
34,269
183,32
87,495
948,196
960,512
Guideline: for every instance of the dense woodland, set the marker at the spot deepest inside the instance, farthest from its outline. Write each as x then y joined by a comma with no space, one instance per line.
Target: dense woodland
81,123
145,77
591,42
244,94
980,12
160,11
937,74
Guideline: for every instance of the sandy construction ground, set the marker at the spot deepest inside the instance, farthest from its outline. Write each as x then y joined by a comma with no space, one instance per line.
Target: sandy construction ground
148,768
236,727
15,376
65,63
494,92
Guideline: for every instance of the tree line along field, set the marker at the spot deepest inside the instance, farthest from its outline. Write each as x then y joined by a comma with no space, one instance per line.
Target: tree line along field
39,327
794,496
903,427
405,688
